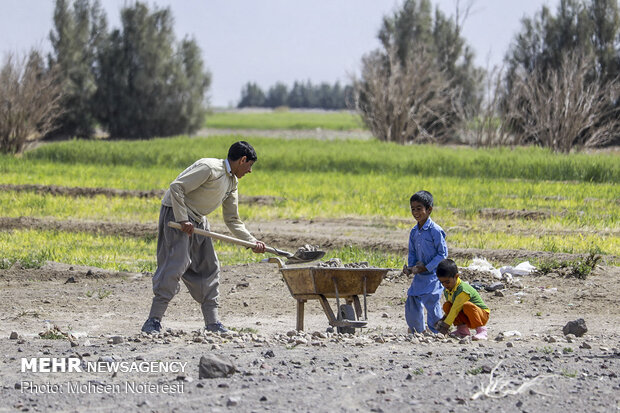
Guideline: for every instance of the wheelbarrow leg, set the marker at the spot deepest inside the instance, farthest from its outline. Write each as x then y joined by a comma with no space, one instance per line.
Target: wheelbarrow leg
365,307
300,314
358,307
328,310
337,295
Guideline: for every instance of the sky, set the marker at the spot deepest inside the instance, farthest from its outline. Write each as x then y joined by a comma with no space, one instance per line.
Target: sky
269,41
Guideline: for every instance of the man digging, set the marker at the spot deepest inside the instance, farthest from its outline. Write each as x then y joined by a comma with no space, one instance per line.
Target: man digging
195,193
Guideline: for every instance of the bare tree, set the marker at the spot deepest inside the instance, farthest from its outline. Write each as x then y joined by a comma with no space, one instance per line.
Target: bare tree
405,102
566,107
488,128
29,101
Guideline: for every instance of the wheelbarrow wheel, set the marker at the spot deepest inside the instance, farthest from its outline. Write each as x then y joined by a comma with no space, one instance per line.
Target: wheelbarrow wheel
346,312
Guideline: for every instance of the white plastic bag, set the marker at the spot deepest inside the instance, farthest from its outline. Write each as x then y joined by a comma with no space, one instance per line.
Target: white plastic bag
524,268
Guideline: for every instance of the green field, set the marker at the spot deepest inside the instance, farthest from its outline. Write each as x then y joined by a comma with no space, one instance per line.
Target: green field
579,194
284,119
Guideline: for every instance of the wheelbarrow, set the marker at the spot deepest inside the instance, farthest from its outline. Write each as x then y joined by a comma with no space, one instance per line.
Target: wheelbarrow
346,284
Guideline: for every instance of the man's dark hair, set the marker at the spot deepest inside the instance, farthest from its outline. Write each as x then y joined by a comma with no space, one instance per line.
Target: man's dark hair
423,197
240,149
447,268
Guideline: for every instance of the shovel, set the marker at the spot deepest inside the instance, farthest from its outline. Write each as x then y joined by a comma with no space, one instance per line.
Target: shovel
300,256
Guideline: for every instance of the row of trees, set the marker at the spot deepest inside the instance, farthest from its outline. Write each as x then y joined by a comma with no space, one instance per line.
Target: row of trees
301,95
135,82
560,88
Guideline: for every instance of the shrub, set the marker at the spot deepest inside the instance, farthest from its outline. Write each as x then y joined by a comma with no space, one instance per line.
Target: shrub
29,101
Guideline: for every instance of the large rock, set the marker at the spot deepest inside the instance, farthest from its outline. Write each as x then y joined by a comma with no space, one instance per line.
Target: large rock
213,366
577,327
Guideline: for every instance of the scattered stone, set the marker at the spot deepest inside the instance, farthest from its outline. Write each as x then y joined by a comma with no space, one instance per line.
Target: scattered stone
498,293
269,354
478,286
509,344
70,280
184,378
385,315
494,287
14,335
212,366
232,401
263,399
585,345
319,334
106,359
116,340
576,327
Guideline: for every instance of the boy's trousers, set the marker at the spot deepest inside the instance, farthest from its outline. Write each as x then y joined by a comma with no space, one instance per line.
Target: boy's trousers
471,315
414,311
188,258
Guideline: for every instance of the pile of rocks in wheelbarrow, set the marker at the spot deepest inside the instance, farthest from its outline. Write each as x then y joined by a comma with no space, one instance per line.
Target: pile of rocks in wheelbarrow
337,263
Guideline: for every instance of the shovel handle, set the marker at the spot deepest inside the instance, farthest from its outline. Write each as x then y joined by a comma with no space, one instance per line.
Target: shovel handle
223,237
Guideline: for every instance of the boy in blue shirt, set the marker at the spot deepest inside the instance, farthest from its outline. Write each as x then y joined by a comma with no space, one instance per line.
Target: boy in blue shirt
427,248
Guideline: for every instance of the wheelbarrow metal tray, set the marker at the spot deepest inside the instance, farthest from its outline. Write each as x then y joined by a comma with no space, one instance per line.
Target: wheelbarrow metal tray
303,281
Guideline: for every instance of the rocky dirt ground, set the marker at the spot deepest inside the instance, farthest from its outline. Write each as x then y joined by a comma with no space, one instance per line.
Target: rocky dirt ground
94,316
527,364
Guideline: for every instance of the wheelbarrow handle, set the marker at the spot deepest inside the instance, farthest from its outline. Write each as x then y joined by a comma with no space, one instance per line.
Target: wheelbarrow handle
233,240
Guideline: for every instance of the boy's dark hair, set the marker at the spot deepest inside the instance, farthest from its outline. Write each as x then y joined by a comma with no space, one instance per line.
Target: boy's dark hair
447,269
423,197
240,149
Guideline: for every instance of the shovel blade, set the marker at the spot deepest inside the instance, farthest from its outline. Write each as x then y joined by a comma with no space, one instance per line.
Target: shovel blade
305,256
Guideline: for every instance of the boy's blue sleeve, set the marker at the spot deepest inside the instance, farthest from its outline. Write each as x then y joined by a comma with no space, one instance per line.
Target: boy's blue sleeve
412,259
439,240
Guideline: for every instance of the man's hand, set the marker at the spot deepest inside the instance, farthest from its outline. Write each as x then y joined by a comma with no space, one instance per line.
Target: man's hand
259,248
442,327
187,227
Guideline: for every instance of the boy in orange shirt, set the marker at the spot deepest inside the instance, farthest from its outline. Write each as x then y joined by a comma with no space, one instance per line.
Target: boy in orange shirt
463,307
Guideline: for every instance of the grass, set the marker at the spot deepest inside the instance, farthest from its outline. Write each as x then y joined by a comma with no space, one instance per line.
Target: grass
579,268
475,371
100,294
245,330
580,226
32,248
546,350
320,179
52,335
342,157
283,119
